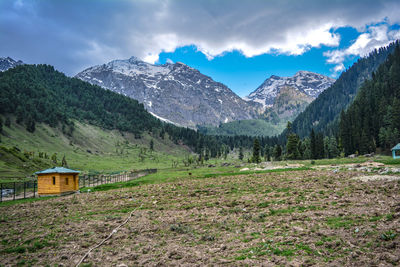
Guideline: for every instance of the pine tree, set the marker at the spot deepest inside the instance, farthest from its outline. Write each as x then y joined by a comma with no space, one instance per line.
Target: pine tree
256,151
8,122
333,148
313,145
277,153
1,125
151,145
267,153
64,162
241,153
319,146
292,147
54,158
30,125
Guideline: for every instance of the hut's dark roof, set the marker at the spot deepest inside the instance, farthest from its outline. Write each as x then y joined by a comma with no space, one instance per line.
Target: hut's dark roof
57,170
396,147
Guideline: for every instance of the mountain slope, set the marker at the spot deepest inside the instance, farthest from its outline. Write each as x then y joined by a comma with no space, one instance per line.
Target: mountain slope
322,112
8,63
306,82
175,92
373,119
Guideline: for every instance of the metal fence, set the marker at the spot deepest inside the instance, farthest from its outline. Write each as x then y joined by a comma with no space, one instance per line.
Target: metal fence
18,190
28,189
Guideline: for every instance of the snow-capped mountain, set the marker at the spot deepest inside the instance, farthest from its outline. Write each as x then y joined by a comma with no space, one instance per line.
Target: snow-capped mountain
309,83
8,63
173,92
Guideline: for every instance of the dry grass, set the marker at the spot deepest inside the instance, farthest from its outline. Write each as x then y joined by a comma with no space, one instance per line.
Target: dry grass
289,218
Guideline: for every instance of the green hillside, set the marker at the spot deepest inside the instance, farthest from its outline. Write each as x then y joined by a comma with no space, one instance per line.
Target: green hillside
89,148
373,119
257,127
323,113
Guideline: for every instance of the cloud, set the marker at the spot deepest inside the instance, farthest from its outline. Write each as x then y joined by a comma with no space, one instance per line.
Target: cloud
75,34
373,38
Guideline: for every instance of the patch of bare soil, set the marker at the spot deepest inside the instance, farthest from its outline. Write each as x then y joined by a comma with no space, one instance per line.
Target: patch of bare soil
289,218
377,178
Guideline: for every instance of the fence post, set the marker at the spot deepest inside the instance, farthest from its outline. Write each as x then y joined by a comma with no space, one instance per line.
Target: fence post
14,192
1,195
34,187
24,189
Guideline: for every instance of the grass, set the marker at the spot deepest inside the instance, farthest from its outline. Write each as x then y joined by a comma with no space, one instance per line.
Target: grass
90,149
205,219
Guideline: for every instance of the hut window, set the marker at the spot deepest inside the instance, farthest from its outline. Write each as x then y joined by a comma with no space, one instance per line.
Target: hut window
66,180
54,180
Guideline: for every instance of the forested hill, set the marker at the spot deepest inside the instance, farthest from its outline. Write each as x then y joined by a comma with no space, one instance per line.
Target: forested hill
373,119
322,113
40,94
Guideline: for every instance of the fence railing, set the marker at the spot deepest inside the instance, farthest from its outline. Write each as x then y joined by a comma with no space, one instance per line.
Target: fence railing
28,189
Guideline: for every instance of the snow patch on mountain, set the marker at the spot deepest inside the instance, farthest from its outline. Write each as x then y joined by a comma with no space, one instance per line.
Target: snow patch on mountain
310,83
173,92
8,63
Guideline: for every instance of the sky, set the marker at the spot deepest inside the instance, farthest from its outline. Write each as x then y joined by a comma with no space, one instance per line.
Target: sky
238,43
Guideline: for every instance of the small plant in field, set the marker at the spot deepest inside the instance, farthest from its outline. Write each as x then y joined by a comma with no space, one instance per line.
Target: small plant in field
388,235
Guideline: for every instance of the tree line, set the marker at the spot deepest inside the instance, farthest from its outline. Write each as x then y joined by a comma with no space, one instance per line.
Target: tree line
39,94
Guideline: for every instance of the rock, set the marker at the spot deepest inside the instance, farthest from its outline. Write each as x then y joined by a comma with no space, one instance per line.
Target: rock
244,169
352,156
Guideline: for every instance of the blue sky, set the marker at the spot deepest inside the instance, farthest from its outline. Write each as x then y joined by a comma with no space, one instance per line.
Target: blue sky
238,43
244,74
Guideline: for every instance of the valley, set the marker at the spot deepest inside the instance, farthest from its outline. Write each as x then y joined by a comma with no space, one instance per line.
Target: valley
252,145
213,216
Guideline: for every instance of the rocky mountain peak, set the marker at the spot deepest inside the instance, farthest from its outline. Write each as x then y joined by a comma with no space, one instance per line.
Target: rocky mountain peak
7,63
310,83
173,92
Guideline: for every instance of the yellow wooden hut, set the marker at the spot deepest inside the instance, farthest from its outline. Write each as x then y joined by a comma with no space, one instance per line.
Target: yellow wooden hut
57,181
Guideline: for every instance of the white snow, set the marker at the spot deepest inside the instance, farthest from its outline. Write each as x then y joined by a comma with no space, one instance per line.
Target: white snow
308,82
162,119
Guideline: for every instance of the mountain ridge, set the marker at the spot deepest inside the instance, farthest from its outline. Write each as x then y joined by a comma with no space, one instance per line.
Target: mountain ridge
310,83
8,63
174,92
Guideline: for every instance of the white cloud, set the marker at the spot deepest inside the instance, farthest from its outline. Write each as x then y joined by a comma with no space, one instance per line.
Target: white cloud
373,38
89,33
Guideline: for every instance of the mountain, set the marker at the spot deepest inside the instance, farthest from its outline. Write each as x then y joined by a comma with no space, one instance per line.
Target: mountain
322,114
173,92
308,83
373,118
8,63
33,95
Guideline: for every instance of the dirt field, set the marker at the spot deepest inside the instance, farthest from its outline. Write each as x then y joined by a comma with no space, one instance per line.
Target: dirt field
289,218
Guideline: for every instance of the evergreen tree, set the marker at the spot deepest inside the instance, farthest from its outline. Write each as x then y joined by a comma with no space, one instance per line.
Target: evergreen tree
292,147
64,162
267,153
256,151
30,125
277,154
333,147
207,155
241,153
8,122
151,145
313,145
319,146
1,125
54,158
